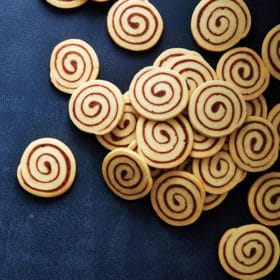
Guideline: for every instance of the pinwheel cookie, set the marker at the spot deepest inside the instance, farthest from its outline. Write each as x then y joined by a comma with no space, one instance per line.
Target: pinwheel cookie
257,107
66,4
274,117
47,168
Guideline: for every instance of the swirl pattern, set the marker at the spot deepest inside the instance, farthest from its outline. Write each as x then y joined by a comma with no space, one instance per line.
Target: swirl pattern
96,107
126,174
158,93
216,108
264,199
254,146
213,200
164,144
274,118
134,24
194,69
219,173
249,251
177,198
66,4
244,68
217,25
271,51
257,107
125,132
47,168
72,63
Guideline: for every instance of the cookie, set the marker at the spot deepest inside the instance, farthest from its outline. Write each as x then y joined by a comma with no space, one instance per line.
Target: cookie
177,198
125,132
194,69
257,107
72,63
254,146
263,199
270,51
216,108
47,168
167,55
66,4
217,25
219,173
244,68
134,24
126,174
249,251
213,200
164,144
274,118
158,93
96,107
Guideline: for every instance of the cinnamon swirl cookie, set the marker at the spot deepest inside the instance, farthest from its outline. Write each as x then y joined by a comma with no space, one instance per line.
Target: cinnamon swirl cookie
217,25
274,118
135,25
66,4
257,107
177,198
72,63
47,168
271,51
244,68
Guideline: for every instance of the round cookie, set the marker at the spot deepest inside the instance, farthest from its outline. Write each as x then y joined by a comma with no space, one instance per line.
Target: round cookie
254,146
218,25
274,118
96,107
271,53
244,68
158,93
72,63
47,168
66,4
126,174
164,144
177,198
216,108
249,251
134,24
263,199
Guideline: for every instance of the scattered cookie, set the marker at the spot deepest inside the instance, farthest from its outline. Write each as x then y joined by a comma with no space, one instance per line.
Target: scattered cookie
72,63
96,107
249,251
218,25
126,174
271,53
244,68
274,117
177,198
66,4
47,168
263,199
135,25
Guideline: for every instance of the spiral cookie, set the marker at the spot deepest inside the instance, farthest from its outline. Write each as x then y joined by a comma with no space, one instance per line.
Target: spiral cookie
126,174
134,24
274,117
96,107
204,146
264,199
213,200
72,63
158,93
47,168
217,25
164,144
177,198
194,69
216,108
244,68
66,4
219,173
167,55
257,107
254,146
125,131
249,251
271,51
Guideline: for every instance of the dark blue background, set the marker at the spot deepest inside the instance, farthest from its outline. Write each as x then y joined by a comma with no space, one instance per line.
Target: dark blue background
89,233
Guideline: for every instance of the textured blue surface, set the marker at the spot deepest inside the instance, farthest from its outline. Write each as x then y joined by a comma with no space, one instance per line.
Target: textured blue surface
89,233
